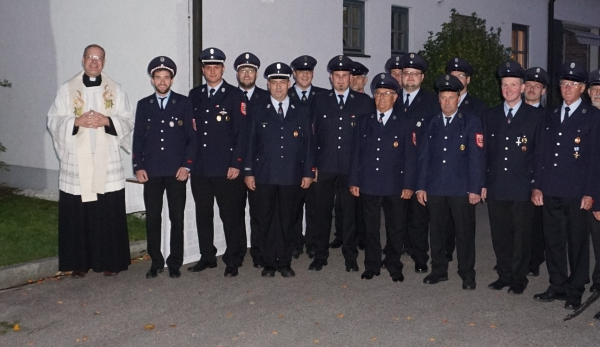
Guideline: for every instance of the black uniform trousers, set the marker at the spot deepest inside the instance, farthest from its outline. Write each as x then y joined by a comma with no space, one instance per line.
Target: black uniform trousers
154,190
338,232
537,240
418,230
394,210
595,231
276,241
325,190
566,230
443,210
255,252
231,199
304,208
510,224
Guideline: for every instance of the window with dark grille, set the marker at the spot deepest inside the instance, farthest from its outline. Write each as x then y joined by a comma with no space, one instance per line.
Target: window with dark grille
354,27
399,30
520,44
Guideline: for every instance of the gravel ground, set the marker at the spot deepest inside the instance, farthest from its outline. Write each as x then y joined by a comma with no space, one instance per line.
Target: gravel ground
40,194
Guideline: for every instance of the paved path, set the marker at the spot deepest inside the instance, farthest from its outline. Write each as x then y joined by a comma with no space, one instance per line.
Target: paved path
326,308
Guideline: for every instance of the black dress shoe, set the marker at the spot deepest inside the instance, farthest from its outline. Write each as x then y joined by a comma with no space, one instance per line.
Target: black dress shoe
231,271
268,271
361,246
153,273
597,316
449,257
573,302
469,284
296,252
498,284
535,272
595,287
421,268
367,275
258,265
397,276
286,271
201,266
317,264
351,266
78,274
406,250
310,251
549,296
517,290
434,278
174,273
337,243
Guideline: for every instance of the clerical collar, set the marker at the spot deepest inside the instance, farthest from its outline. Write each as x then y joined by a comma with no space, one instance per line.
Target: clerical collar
92,81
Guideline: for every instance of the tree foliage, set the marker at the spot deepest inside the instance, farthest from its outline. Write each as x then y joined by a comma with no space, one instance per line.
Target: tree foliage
467,37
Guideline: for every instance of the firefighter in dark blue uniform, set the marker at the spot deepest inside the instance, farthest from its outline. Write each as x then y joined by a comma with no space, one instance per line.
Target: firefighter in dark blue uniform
566,184
358,77
462,70
449,181
219,116
512,131
278,164
419,106
382,174
594,93
536,82
392,66
304,92
164,150
246,65
335,114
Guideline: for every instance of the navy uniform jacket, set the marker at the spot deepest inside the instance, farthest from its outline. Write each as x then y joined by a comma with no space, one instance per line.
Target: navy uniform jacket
424,106
220,127
163,140
259,96
310,97
511,151
334,128
384,158
472,105
451,160
571,151
279,152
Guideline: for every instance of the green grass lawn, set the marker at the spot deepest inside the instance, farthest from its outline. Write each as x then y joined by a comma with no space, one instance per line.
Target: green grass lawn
29,228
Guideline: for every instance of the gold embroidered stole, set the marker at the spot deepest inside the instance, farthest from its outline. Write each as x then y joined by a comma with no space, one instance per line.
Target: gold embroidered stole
92,168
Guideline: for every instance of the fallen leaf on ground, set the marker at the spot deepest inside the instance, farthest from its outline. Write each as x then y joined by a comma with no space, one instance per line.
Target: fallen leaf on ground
251,302
396,318
16,327
97,312
229,315
76,340
149,327
472,324
274,332
340,315
280,316
315,341
59,302
409,318
493,326
373,338
146,257
592,324
432,339
235,338
83,305
172,326
248,291
85,338
344,286
445,321
29,281
30,343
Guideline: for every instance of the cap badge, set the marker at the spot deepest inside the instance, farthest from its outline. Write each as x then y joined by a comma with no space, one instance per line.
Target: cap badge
507,64
536,76
456,60
340,57
572,65
412,55
537,70
247,56
305,58
397,58
212,51
382,76
278,66
162,59
305,63
447,78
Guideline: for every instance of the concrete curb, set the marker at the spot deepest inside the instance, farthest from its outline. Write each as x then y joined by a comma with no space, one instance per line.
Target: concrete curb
14,275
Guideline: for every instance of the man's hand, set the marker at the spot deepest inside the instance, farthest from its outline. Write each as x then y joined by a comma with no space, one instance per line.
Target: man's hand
422,197
306,182
142,176
597,215
354,190
232,173
182,174
483,194
406,194
316,175
250,182
537,197
474,199
586,203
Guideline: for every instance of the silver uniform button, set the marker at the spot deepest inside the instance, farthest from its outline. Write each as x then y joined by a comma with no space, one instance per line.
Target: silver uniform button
506,148
162,140
376,169
507,138
205,145
205,122
204,133
555,164
339,147
162,131
445,137
162,148
444,150
558,143
559,134
505,158
556,154
339,138
443,161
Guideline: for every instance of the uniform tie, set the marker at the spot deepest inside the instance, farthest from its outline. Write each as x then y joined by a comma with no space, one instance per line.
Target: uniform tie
280,111
246,95
212,93
567,110
341,103
448,120
509,116
304,95
406,102
381,119
162,105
